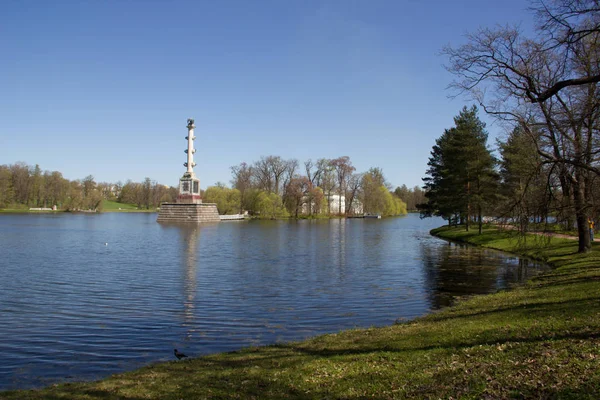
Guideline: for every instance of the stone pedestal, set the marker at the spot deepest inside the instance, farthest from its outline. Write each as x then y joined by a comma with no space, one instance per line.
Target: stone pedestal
188,212
189,206
189,189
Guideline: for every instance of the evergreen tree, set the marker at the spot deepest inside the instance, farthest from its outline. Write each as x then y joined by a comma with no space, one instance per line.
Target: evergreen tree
524,180
461,182
441,184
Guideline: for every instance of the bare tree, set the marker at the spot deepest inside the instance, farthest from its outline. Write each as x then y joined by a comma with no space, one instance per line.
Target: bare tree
291,166
314,171
277,167
323,166
262,175
242,181
296,194
105,189
353,187
547,87
343,168
327,180
563,25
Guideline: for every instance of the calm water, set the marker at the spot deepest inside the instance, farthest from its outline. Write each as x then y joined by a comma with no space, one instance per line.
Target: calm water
84,296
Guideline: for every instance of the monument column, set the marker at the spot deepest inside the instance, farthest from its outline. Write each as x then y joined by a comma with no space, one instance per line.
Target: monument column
189,185
190,164
189,206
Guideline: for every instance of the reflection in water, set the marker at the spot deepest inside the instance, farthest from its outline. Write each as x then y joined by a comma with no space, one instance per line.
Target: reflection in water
72,307
190,235
456,269
337,240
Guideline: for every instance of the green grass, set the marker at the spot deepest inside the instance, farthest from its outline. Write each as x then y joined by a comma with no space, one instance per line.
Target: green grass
107,206
114,206
539,341
19,208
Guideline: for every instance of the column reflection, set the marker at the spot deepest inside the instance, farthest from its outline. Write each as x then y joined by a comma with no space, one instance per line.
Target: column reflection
190,236
338,243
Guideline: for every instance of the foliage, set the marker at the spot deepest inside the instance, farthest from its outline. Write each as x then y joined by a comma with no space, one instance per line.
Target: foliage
6,187
253,185
228,200
316,201
148,194
376,197
372,197
270,205
22,186
524,181
343,170
297,193
547,86
461,182
393,204
314,192
412,197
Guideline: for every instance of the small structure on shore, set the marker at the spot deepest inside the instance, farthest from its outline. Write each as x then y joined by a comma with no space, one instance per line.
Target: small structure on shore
234,217
189,206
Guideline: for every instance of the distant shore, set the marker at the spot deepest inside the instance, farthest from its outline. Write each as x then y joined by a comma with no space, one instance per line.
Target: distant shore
24,211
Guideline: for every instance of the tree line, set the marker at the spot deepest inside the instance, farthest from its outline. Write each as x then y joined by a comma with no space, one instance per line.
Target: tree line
270,187
275,187
23,186
544,90
466,184
411,196
148,194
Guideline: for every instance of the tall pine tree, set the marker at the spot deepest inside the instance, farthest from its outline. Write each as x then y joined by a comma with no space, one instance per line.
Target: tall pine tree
524,180
462,182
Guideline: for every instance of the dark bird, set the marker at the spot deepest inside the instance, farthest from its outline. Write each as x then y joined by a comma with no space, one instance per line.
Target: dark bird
179,354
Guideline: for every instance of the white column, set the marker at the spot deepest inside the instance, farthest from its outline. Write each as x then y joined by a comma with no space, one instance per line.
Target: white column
190,150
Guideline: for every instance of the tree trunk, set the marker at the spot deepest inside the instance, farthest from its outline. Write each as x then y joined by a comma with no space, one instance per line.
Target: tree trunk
480,219
566,199
583,231
468,203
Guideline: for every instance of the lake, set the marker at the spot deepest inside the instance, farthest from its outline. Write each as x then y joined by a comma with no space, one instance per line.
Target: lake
83,296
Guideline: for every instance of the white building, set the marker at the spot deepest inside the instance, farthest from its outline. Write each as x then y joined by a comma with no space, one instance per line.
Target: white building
332,204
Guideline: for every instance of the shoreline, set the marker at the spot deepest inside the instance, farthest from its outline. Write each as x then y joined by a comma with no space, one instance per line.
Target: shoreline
538,340
252,218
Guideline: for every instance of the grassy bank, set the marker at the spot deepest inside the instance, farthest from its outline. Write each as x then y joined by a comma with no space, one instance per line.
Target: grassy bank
537,341
114,206
19,209
107,206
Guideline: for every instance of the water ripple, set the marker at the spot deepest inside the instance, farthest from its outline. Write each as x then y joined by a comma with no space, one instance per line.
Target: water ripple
73,308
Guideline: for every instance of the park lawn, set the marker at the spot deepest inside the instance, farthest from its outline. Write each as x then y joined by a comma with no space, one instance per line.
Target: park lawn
540,341
114,206
107,206
18,209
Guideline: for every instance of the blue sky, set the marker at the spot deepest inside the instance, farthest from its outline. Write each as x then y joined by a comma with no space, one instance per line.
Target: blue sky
105,87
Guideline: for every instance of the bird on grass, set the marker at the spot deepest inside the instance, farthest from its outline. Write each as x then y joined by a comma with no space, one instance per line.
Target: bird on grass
179,354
